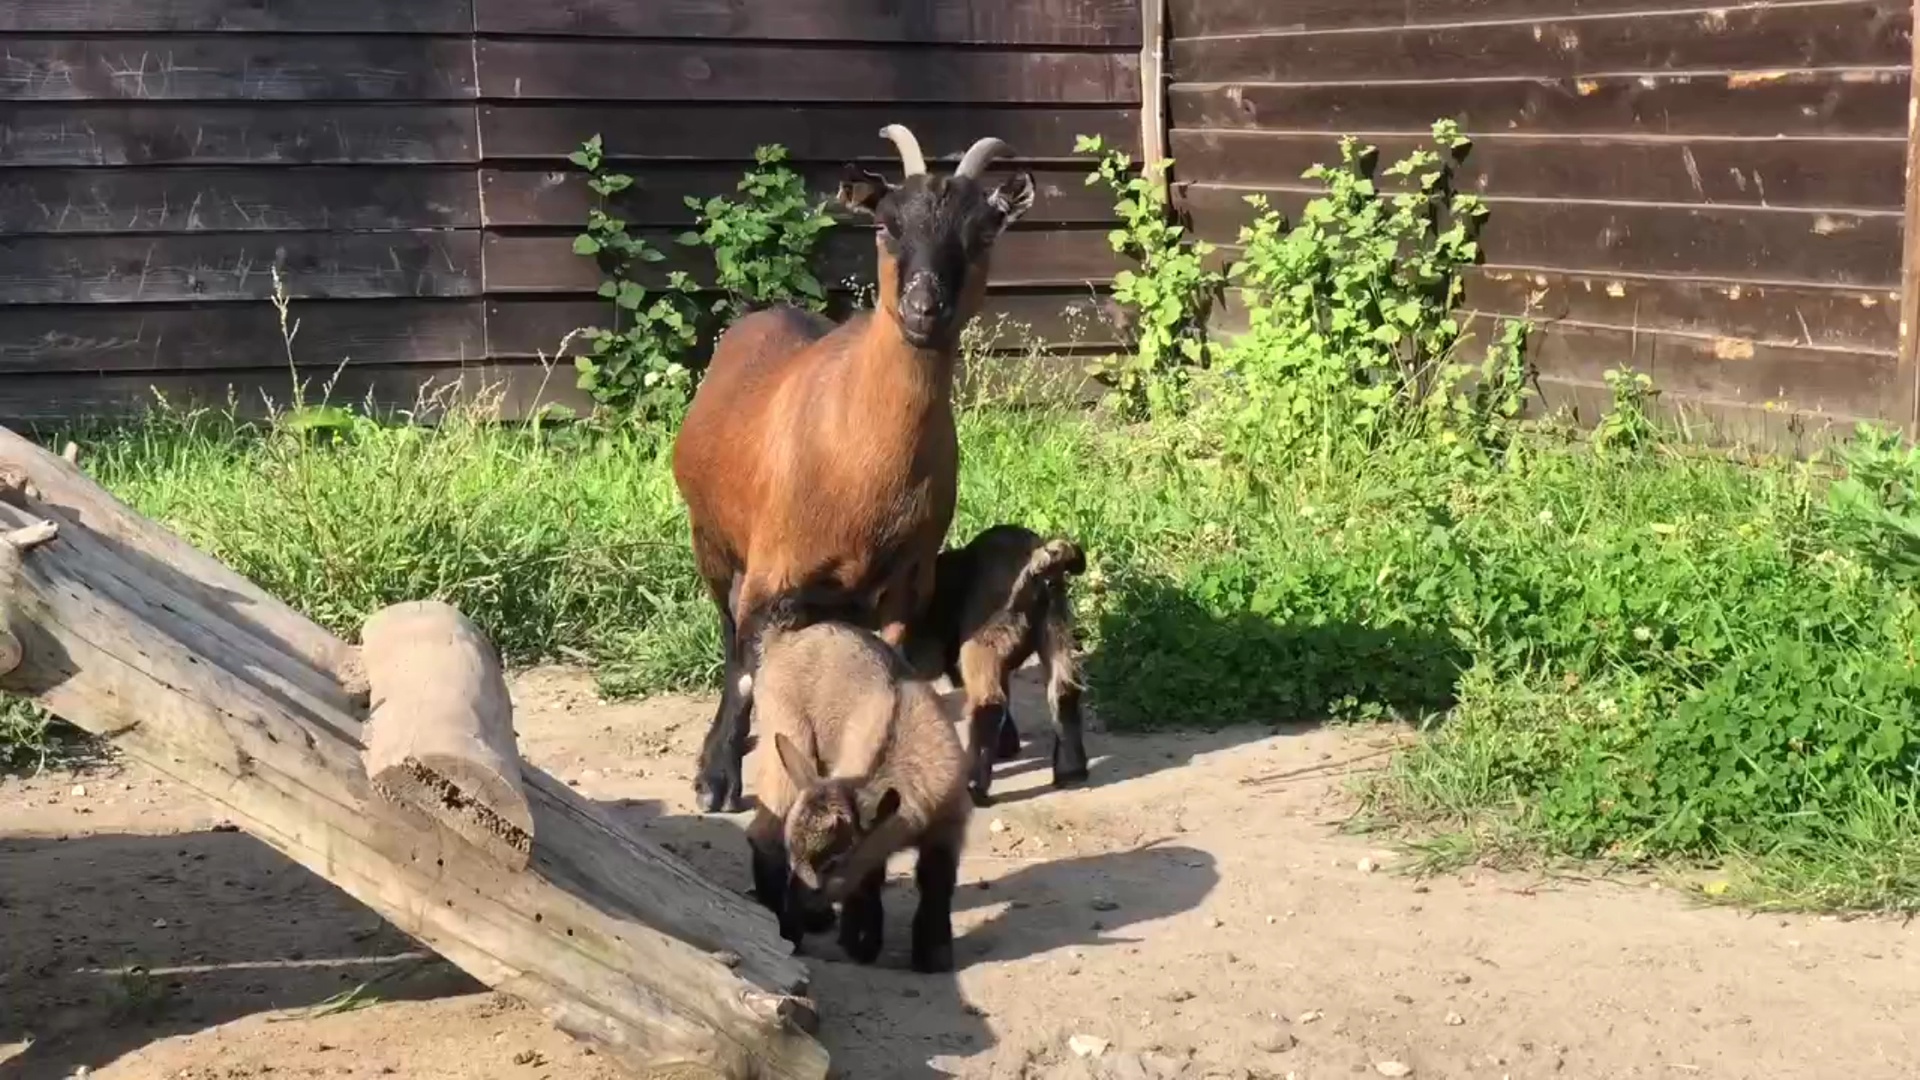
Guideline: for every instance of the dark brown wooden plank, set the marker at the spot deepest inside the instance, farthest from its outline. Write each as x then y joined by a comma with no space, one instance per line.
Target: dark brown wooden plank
1862,320
236,266
142,337
812,133
54,134
973,22
559,198
1702,366
1847,173
545,263
237,67
1867,33
200,16
1737,243
1909,340
1722,368
529,326
1863,102
1786,432
1195,18
694,71
235,200
511,390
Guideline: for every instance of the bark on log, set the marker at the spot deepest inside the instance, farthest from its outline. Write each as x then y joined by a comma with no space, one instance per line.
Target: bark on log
127,633
440,730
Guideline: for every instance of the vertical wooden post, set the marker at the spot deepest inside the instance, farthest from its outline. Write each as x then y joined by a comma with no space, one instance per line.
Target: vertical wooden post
1153,84
1909,358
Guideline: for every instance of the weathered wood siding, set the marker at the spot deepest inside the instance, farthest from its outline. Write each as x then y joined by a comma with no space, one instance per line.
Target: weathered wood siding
402,165
1711,195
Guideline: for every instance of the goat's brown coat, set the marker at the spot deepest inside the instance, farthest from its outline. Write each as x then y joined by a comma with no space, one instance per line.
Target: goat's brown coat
816,455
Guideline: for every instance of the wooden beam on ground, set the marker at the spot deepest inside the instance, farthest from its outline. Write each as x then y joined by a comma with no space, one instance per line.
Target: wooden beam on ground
126,631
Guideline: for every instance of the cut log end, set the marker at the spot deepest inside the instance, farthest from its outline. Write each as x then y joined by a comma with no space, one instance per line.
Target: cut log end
414,783
11,654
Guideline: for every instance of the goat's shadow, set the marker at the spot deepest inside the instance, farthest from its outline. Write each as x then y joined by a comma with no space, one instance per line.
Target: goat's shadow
1176,681
887,1020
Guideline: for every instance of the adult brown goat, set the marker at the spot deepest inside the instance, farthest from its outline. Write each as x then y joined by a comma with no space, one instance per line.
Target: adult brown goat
823,458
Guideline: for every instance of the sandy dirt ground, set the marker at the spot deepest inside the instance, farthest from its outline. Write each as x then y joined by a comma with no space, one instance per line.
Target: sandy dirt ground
1195,913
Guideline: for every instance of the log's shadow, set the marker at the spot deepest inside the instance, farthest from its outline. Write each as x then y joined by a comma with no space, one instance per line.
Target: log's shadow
885,1019
112,942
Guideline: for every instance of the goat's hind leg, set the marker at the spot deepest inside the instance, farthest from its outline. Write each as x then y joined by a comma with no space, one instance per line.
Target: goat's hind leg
987,718
1063,693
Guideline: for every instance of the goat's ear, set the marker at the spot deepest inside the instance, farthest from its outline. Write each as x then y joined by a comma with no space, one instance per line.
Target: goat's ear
1013,198
861,190
888,806
800,772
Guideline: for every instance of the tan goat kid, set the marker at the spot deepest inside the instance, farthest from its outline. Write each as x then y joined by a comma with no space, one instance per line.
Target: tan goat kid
865,761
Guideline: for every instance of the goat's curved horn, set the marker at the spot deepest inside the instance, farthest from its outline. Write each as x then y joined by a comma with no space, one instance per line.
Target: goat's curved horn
980,154
910,155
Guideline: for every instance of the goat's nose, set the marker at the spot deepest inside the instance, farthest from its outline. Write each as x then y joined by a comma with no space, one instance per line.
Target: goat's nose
920,305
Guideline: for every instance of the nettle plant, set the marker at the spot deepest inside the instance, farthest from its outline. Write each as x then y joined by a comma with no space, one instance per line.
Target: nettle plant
763,242
638,365
1352,328
1168,296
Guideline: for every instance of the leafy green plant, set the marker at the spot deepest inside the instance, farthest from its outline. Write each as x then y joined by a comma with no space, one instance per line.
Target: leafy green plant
1168,293
1875,509
1628,423
762,242
1351,312
638,365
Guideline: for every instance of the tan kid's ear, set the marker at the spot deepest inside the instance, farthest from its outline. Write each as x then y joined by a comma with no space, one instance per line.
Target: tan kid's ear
800,771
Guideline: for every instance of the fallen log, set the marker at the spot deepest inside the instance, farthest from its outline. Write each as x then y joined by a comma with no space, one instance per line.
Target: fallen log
127,631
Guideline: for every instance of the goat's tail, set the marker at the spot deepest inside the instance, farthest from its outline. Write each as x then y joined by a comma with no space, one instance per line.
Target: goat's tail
793,610
1049,565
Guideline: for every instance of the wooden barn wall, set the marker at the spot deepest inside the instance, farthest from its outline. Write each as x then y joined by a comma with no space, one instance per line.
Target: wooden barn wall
1710,194
401,163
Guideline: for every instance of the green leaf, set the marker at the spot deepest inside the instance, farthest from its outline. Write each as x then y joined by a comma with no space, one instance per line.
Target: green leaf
585,245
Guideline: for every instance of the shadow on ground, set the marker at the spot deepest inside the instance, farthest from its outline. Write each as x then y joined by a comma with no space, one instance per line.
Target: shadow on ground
887,1020
112,942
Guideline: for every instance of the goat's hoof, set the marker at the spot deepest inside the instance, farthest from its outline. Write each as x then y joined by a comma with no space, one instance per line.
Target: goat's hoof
979,796
1065,778
861,948
718,791
1008,745
933,959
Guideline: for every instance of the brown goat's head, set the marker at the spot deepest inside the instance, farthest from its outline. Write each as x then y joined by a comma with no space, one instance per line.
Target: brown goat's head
826,822
935,235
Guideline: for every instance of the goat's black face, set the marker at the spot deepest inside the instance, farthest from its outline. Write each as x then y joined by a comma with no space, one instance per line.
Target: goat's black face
936,234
